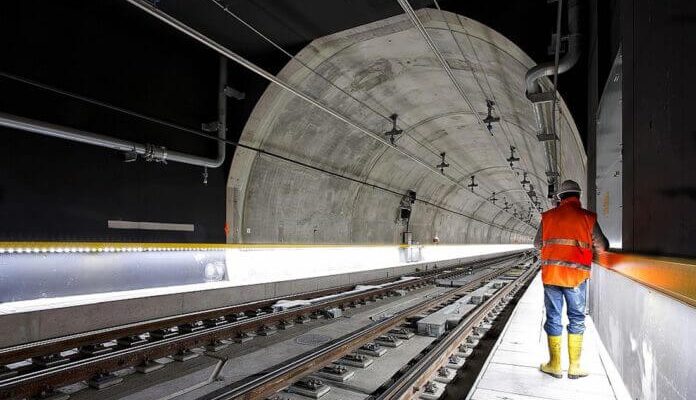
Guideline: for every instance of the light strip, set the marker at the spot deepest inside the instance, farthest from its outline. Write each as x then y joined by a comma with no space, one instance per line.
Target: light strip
111,247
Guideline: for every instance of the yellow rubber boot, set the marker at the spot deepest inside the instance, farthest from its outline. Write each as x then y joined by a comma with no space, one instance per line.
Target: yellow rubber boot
553,367
574,352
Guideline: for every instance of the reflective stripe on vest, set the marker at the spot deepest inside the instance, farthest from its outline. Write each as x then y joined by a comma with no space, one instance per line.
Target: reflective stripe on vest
566,264
567,242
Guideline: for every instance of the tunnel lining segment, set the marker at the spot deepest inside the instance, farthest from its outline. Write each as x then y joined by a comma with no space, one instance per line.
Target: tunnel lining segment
283,125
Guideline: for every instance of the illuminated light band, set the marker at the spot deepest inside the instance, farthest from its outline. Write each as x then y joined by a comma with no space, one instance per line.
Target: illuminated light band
111,247
674,277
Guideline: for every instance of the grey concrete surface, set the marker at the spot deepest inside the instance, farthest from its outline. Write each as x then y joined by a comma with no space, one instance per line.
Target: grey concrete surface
648,335
387,66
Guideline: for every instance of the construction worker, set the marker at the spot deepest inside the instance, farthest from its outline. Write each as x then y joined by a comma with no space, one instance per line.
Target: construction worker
568,236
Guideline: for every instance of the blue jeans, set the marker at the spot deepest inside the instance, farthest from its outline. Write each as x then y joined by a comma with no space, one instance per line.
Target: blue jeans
575,302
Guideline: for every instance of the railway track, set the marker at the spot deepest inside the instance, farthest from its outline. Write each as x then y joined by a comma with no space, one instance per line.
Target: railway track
268,382
421,373
54,363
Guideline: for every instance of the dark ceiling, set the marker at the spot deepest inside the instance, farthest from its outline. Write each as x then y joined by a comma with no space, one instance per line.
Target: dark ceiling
100,48
293,24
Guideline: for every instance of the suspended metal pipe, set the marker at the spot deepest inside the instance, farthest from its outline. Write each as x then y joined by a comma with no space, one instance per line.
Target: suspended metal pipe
569,59
222,115
544,103
149,152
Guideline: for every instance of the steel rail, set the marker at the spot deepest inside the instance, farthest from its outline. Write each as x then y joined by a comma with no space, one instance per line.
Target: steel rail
52,346
420,372
21,352
81,369
270,381
33,382
55,345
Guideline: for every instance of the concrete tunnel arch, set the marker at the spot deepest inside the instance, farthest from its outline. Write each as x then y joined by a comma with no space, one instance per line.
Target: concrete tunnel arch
389,69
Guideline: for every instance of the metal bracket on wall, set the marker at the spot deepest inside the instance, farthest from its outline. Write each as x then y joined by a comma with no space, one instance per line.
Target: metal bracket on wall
532,193
473,183
512,159
155,153
130,156
234,93
394,132
213,126
547,137
551,50
490,118
543,97
442,165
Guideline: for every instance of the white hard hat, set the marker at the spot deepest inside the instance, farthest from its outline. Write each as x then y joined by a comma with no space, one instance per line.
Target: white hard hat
569,186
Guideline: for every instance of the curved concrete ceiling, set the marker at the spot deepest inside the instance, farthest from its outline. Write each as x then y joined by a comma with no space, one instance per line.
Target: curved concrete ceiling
351,185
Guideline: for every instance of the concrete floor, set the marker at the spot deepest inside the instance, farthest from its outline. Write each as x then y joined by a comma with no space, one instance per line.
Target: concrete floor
512,371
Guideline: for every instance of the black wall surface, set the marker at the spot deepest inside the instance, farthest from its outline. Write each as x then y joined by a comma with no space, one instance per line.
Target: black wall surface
659,131
603,41
658,39
51,189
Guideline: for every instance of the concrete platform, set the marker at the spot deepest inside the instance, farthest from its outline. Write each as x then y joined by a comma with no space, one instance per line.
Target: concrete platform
512,369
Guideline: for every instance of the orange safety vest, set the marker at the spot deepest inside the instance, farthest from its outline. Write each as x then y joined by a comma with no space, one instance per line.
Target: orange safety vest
566,252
